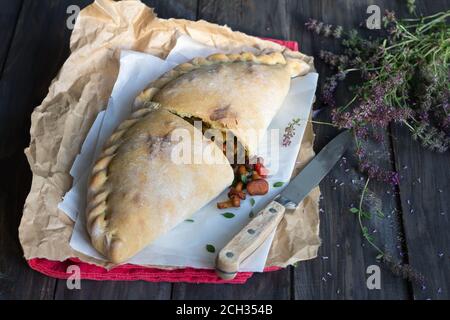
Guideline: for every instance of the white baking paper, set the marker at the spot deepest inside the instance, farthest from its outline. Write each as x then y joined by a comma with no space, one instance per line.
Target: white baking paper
179,248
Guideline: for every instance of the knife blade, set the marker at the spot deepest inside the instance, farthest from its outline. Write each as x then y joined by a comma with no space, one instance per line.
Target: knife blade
246,241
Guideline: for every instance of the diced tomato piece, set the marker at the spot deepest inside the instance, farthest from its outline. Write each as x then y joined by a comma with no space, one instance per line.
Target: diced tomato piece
260,169
263,172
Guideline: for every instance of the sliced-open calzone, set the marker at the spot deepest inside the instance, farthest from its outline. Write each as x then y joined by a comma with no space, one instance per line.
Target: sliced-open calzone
137,192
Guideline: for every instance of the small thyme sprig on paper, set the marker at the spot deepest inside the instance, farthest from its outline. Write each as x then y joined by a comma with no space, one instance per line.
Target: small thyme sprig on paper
289,132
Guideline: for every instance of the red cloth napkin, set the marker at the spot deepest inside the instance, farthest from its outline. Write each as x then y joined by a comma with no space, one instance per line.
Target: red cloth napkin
129,272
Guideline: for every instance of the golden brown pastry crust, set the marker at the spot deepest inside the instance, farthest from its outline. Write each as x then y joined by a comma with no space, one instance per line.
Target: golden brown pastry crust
237,92
137,193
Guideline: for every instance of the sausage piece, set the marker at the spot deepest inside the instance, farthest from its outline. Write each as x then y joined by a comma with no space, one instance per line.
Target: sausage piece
257,187
225,204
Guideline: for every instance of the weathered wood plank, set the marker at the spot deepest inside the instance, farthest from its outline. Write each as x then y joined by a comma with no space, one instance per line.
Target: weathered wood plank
178,9
340,270
36,52
8,19
114,290
265,286
424,189
426,237
17,280
257,18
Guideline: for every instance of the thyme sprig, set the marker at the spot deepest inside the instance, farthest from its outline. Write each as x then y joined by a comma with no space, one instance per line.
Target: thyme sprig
398,268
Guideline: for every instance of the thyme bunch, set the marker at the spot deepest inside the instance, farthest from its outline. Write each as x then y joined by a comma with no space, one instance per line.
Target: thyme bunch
405,77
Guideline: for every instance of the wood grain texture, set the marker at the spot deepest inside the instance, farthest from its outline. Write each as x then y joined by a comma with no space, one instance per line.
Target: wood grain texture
424,190
33,60
340,270
17,280
37,43
177,9
8,19
114,290
257,18
265,286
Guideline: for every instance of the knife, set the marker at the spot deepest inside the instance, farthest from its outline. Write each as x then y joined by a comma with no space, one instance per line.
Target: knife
261,226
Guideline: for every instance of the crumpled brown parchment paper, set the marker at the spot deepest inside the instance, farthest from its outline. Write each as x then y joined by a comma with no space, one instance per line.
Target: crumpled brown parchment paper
82,88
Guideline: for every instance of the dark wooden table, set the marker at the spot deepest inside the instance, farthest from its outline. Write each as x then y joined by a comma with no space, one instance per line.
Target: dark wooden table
34,44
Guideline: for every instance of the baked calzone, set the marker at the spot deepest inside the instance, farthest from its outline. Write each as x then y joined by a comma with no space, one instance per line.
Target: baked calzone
136,191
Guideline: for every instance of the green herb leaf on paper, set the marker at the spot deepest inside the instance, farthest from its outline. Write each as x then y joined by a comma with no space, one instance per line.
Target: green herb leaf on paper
210,248
252,202
278,184
228,215
189,220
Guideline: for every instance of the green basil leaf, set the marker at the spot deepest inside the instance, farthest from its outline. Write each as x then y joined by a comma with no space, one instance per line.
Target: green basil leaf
252,202
189,220
210,248
278,184
228,215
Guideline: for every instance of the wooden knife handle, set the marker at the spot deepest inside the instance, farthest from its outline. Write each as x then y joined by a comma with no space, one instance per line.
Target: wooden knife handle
248,240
